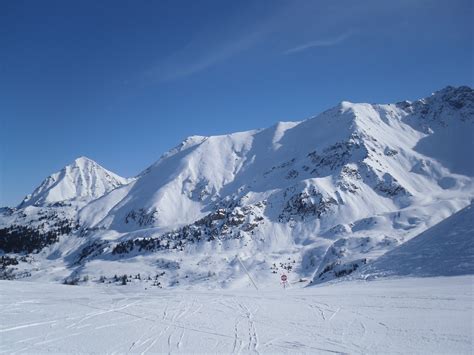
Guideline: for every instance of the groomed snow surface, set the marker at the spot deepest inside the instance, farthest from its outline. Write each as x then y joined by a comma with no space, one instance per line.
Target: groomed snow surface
411,315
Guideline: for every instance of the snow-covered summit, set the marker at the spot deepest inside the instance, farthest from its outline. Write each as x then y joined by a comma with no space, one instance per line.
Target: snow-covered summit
82,180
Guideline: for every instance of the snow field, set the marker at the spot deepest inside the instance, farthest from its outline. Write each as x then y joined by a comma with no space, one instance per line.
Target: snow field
412,315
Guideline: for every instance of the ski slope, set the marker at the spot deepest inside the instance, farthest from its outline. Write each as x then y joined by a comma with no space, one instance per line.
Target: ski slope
411,315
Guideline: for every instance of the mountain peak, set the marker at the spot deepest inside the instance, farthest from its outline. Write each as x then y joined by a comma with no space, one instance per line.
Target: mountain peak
82,180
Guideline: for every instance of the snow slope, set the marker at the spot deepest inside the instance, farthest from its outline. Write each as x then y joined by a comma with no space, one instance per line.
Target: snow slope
408,316
446,249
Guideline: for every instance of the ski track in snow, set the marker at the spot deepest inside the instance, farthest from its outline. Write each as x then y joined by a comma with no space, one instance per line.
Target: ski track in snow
431,315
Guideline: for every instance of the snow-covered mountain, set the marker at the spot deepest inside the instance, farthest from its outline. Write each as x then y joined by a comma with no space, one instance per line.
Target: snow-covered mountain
83,180
51,210
317,198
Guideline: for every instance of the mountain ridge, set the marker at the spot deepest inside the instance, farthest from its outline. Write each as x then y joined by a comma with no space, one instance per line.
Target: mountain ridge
330,193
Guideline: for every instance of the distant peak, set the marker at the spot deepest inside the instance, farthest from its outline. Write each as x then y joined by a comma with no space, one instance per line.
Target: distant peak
82,180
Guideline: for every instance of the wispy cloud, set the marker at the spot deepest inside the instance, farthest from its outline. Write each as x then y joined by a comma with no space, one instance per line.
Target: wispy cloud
196,57
328,42
211,47
280,24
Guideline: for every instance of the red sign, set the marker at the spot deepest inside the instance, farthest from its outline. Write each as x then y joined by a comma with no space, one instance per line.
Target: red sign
283,278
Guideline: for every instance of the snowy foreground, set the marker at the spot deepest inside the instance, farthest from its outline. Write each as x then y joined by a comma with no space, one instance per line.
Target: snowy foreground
411,315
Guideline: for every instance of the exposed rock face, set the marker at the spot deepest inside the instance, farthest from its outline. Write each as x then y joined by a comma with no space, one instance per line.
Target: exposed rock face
141,217
306,204
230,223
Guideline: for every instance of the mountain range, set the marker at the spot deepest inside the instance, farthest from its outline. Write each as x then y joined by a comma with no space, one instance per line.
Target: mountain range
328,197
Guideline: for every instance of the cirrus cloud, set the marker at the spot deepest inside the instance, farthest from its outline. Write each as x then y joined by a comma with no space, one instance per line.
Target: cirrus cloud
327,42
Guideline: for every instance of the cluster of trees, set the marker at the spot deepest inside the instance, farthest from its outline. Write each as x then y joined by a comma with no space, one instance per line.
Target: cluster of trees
288,266
95,248
116,279
18,239
74,280
6,260
8,271
124,279
23,239
170,240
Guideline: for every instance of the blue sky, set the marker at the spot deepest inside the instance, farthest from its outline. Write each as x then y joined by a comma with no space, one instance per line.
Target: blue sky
123,81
